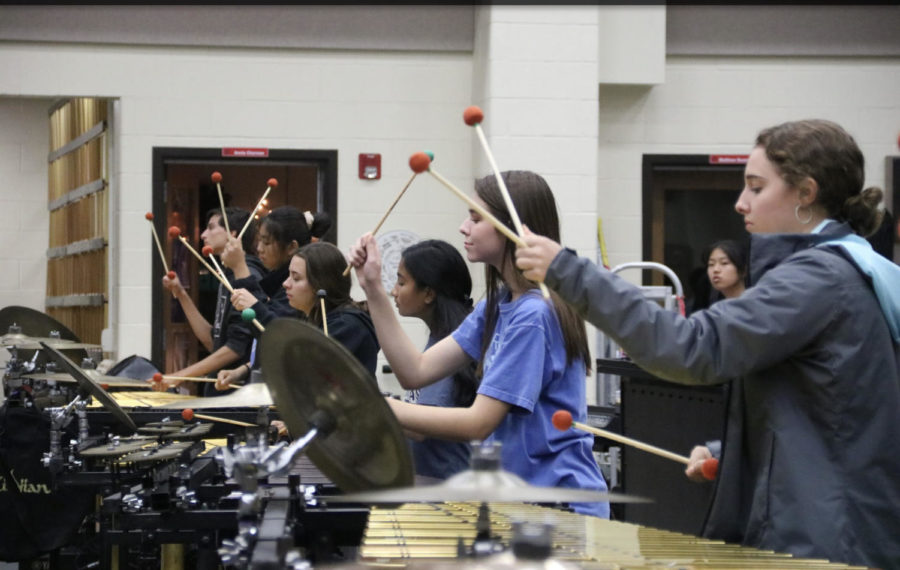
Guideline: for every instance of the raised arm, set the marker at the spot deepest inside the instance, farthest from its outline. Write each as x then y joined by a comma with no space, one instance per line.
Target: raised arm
201,327
413,368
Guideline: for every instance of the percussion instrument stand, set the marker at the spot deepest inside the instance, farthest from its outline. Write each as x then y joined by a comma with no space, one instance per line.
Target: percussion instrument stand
485,457
59,419
249,464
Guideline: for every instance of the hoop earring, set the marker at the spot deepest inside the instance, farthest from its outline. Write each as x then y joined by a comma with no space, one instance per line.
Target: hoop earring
797,215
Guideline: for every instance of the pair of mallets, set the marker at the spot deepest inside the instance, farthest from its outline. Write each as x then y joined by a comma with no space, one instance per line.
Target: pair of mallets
216,177
421,162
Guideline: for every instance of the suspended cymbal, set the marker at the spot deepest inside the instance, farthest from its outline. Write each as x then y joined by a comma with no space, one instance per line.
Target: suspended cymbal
34,323
37,325
309,373
484,486
250,396
92,387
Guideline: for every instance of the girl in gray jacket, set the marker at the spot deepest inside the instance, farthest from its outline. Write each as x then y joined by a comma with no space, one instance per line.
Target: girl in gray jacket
811,454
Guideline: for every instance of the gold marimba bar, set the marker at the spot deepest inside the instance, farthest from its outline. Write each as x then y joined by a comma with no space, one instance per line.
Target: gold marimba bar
423,532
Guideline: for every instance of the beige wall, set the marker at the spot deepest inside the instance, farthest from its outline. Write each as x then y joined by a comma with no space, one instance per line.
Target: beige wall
717,105
533,69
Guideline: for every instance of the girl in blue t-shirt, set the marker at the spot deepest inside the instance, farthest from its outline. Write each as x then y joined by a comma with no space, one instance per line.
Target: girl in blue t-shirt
433,284
532,355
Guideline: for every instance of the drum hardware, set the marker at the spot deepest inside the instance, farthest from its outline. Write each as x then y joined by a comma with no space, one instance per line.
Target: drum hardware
249,464
59,419
91,387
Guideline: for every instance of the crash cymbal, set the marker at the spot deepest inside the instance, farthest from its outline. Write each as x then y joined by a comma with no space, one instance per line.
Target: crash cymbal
494,485
250,396
91,386
309,373
111,381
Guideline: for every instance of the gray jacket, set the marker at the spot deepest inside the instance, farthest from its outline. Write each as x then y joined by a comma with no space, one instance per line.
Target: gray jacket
811,458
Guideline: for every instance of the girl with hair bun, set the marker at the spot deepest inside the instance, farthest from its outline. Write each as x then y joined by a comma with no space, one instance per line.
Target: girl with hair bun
281,233
811,454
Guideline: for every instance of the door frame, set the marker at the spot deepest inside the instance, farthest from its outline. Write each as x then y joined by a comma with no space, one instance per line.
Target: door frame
652,230
325,160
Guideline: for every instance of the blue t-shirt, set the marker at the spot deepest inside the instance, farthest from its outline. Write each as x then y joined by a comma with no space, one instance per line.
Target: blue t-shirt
525,366
438,458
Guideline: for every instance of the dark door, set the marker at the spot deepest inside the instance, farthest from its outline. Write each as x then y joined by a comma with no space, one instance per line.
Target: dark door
688,203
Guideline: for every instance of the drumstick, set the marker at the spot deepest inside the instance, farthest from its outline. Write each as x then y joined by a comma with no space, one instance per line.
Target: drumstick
321,294
216,177
188,414
160,377
221,279
562,420
162,256
390,208
272,183
419,162
473,116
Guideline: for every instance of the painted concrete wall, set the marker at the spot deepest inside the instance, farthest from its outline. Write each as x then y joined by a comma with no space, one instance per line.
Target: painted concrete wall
533,69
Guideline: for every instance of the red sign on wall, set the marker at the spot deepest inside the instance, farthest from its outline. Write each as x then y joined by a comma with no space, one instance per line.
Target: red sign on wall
728,158
232,152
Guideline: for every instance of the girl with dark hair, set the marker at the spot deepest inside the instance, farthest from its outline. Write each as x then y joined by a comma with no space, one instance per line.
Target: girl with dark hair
811,454
726,267
433,284
532,353
320,266
281,233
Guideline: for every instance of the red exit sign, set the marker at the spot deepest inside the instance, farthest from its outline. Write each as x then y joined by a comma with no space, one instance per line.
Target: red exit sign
232,152
728,158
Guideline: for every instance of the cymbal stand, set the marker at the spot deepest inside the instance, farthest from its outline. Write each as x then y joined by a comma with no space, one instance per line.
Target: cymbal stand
250,464
59,419
485,457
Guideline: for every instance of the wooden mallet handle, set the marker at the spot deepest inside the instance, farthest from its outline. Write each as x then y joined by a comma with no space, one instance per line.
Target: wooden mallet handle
162,256
384,217
271,183
419,162
216,177
473,117
188,414
217,275
562,420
